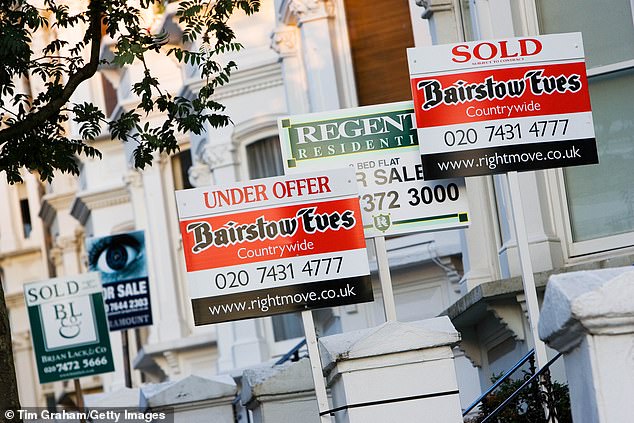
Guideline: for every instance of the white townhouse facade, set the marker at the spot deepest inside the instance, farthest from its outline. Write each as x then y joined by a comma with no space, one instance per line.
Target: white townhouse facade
305,56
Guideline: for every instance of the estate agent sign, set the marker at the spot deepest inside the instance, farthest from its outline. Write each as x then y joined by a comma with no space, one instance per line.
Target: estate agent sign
380,142
69,327
274,245
488,107
121,261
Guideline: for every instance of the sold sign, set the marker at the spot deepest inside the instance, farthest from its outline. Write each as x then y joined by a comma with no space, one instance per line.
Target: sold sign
490,107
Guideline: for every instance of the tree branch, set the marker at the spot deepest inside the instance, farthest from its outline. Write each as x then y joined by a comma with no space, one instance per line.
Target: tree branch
33,120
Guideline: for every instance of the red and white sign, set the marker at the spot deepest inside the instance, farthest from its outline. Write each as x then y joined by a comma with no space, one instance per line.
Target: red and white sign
494,106
254,240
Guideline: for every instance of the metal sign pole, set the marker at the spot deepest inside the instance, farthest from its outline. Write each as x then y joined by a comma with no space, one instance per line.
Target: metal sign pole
527,268
126,358
79,397
315,365
380,249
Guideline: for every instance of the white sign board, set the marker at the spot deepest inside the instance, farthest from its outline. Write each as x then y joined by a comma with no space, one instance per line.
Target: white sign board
380,142
487,107
274,245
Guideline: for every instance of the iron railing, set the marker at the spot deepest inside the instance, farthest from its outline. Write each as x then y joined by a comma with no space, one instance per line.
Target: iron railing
509,372
540,403
292,354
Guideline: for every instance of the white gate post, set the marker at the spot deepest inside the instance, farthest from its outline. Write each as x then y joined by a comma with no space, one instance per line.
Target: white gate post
402,371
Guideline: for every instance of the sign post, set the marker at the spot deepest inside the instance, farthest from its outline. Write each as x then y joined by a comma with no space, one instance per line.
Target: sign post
315,365
69,328
503,106
276,245
121,261
381,144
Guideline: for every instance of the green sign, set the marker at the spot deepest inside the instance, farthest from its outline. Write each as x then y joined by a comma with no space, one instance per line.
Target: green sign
69,327
381,143
351,134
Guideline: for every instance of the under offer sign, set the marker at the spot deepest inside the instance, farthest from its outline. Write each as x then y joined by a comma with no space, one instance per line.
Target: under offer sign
68,327
380,142
490,107
273,246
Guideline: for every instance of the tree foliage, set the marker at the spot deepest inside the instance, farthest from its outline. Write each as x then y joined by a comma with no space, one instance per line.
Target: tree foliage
34,125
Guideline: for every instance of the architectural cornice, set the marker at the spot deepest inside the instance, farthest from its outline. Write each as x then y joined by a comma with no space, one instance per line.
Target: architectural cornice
217,155
52,203
297,12
199,175
20,252
284,40
243,81
85,202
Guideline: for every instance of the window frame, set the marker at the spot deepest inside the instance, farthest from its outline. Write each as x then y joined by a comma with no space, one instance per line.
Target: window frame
557,195
575,250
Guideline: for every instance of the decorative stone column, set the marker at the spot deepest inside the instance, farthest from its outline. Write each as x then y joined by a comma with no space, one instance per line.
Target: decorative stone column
312,19
285,42
396,369
161,261
589,317
219,156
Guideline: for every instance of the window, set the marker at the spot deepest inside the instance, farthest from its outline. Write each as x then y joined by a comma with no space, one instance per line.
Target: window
264,159
181,162
25,211
600,198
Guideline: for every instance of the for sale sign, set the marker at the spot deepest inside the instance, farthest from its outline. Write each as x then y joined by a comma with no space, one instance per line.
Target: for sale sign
121,261
274,245
489,107
380,142
68,327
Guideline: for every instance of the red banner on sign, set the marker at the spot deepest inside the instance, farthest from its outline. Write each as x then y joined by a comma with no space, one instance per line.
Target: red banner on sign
272,234
500,94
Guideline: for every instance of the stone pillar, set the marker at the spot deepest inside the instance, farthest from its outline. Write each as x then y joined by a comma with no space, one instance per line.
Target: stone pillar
444,23
480,254
589,317
161,260
396,369
274,394
285,41
127,398
193,399
312,19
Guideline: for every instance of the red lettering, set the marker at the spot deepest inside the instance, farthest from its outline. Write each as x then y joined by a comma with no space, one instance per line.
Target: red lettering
234,196
504,50
487,50
458,51
537,45
478,53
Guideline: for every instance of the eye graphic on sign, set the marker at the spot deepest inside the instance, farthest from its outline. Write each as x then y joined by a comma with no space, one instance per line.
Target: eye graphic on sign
118,257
